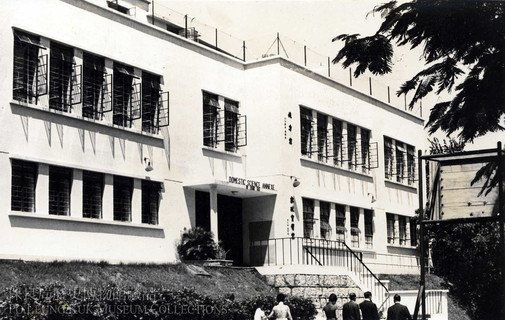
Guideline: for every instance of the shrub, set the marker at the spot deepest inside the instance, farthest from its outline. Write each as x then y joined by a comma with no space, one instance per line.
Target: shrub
197,244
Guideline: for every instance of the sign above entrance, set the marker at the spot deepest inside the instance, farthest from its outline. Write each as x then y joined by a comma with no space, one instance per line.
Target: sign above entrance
251,184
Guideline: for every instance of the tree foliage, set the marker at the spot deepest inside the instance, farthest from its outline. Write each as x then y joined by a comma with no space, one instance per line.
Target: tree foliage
460,39
197,244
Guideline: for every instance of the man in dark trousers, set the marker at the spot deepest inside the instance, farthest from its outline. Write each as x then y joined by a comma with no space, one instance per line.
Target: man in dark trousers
368,308
350,310
398,311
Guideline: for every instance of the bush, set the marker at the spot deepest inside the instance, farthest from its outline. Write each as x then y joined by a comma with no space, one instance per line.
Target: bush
197,244
56,302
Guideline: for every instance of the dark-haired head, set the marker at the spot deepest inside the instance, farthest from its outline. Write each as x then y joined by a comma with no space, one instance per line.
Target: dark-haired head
352,296
281,297
368,295
333,298
397,298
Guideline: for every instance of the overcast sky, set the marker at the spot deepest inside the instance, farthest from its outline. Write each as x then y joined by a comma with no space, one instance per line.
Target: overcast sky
311,23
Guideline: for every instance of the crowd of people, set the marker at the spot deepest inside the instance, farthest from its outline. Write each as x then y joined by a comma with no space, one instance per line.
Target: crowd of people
366,310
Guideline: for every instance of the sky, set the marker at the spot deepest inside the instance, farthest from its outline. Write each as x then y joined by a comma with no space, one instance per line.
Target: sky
314,24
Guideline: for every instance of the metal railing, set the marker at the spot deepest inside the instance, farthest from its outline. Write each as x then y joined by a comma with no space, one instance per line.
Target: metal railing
308,251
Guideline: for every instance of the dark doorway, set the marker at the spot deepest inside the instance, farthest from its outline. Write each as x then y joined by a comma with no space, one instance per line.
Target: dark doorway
230,227
229,222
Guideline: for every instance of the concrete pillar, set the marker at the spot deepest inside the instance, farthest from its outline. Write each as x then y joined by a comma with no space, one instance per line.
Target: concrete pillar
317,220
42,190
108,198
361,226
76,194
348,225
213,212
333,221
137,201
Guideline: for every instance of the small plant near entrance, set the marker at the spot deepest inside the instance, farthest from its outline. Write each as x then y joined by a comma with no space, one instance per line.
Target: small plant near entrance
197,244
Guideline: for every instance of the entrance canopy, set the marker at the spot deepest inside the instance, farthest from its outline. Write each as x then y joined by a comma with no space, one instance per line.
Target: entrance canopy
235,187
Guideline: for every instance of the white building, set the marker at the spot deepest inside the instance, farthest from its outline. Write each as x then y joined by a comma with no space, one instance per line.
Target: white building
254,151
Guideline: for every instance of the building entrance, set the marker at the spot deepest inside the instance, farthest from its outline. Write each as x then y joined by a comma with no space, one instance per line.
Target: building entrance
229,222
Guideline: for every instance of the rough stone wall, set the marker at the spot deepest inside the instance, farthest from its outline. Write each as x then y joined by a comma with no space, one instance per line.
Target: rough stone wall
316,287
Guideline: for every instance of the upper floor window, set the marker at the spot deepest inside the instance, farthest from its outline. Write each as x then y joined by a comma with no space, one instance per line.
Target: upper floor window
154,104
390,226
64,78
355,231
96,87
126,96
365,150
30,68
150,201
92,189
306,131
123,189
337,142
222,122
351,146
23,182
340,222
324,212
308,218
402,230
322,137
60,184
400,161
368,229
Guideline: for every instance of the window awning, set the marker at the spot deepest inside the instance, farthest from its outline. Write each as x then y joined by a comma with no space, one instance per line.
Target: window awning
400,148
230,106
28,40
125,71
211,101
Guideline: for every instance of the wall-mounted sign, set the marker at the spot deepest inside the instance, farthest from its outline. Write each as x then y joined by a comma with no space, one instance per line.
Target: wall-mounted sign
251,184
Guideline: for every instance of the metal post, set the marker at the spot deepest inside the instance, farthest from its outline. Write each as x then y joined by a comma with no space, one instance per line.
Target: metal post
502,221
278,43
152,4
329,74
350,77
305,55
389,96
243,50
216,39
186,26
405,100
370,84
421,108
421,235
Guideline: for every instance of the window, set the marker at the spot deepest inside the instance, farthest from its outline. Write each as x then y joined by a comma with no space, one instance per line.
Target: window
411,165
30,68
355,227
324,212
24,180
340,222
210,119
123,189
60,184
402,228
96,87
365,149
308,218
61,78
322,137
388,157
368,229
390,220
113,4
231,116
337,142
126,96
150,201
92,185
306,131
400,161
413,233
351,146
154,104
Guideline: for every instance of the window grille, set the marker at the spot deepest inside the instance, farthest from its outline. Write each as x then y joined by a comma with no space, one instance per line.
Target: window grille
96,89
126,96
92,185
29,69
390,221
65,77
306,131
365,150
400,161
355,231
340,222
60,183
308,218
322,137
150,201
388,158
324,212
154,104
210,119
231,120
411,165
123,189
369,229
351,146
337,142
23,183
402,229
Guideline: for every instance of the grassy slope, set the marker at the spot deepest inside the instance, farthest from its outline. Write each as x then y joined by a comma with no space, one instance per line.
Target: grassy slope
242,282
411,282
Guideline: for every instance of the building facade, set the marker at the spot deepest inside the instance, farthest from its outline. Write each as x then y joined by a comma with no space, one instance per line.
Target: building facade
118,133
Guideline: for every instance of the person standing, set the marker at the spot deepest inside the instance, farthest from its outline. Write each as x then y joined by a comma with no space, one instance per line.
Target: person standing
398,311
280,311
330,309
350,310
368,308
